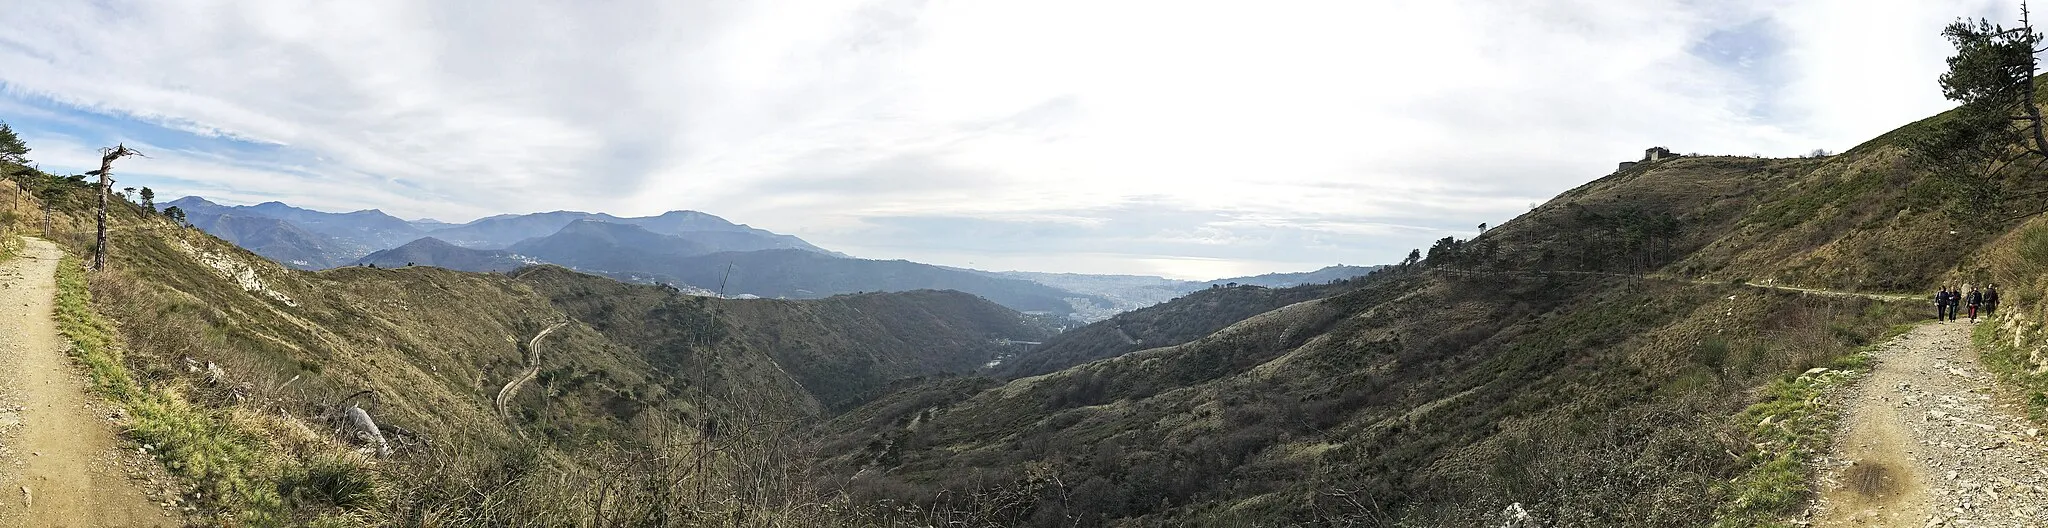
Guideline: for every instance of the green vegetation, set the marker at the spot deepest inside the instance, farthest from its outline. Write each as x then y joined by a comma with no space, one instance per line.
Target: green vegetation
236,370
12,150
2016,367
1791,426
2011,345
1188,318
233,469
1538,365
1557,393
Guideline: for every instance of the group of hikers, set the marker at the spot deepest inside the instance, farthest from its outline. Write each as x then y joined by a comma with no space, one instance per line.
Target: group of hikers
1950,300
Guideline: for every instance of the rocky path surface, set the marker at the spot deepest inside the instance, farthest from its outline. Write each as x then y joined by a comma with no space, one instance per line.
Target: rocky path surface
1926,442
61,464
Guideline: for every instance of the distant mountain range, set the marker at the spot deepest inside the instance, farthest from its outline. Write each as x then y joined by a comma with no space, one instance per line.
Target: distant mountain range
435,252
694,251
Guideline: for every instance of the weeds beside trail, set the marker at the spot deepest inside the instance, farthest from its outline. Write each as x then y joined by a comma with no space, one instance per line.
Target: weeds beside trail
230,466
1797,424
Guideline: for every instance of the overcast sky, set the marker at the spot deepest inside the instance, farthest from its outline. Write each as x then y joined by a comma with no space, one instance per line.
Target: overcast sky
1180,138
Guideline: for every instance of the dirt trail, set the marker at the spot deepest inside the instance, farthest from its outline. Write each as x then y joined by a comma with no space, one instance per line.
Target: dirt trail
60,461
1888,297
532,370
1924,443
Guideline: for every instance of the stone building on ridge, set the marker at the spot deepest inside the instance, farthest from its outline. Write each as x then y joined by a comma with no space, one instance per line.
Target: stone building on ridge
1652,154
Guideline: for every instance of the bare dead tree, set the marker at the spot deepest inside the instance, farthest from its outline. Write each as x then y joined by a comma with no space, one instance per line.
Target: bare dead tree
107,157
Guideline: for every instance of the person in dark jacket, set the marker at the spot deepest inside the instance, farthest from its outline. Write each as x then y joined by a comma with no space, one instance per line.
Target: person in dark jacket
1990,300
1941,303
1975,299
1955,298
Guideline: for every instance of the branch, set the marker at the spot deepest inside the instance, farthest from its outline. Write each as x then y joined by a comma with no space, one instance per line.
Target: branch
2022,216
2002,164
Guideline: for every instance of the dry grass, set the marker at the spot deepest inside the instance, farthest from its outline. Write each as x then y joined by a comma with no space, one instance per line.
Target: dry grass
226,454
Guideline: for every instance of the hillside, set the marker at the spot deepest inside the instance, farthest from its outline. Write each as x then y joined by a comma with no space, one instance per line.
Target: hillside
604,246
710,232
808,274
430,251
342,237
275,239
1104,296
1575,363
425,349
1597,361
500,231
633,254
309,239
1171,323
1284,280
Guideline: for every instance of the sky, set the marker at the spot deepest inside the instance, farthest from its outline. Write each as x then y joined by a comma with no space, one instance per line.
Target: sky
1184,138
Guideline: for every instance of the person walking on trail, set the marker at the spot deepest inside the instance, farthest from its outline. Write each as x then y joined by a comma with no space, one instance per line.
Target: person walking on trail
1990,300
1955,298
1941,304
1975,299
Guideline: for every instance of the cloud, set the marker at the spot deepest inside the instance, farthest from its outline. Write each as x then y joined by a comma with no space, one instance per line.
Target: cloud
1204,135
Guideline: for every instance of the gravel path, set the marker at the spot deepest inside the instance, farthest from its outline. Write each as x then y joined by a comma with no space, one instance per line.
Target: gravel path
1925,443
61,463
511,388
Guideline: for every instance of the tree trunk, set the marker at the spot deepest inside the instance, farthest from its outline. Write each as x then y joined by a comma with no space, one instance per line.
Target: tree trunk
99,247
2033,109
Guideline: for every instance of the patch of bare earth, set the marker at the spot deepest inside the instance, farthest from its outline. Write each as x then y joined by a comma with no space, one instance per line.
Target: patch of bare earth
1923,442
61,463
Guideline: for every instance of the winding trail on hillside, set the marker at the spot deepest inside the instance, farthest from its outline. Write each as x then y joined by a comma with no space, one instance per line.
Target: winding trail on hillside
1924,441
1887,297
60,460
511,388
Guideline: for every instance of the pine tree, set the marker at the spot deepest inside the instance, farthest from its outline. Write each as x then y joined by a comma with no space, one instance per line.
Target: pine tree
1997,124
12,150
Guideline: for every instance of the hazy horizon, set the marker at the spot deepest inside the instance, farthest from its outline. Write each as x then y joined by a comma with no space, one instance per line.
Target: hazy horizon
1153,138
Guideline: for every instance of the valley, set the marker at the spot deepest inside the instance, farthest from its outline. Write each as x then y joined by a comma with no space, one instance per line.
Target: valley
700,253
1684,340
1589,333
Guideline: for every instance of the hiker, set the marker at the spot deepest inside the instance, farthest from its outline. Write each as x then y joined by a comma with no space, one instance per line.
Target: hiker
1990,300
1954,298
1976,298
1941,303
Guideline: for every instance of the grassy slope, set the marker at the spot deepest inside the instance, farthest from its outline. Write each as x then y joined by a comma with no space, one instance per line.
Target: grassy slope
434,346
2016,346
1441,398
1432,397
1170,323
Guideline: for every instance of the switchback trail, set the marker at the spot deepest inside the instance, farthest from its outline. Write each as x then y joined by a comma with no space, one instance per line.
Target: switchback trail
60,461
1924,442
532,370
